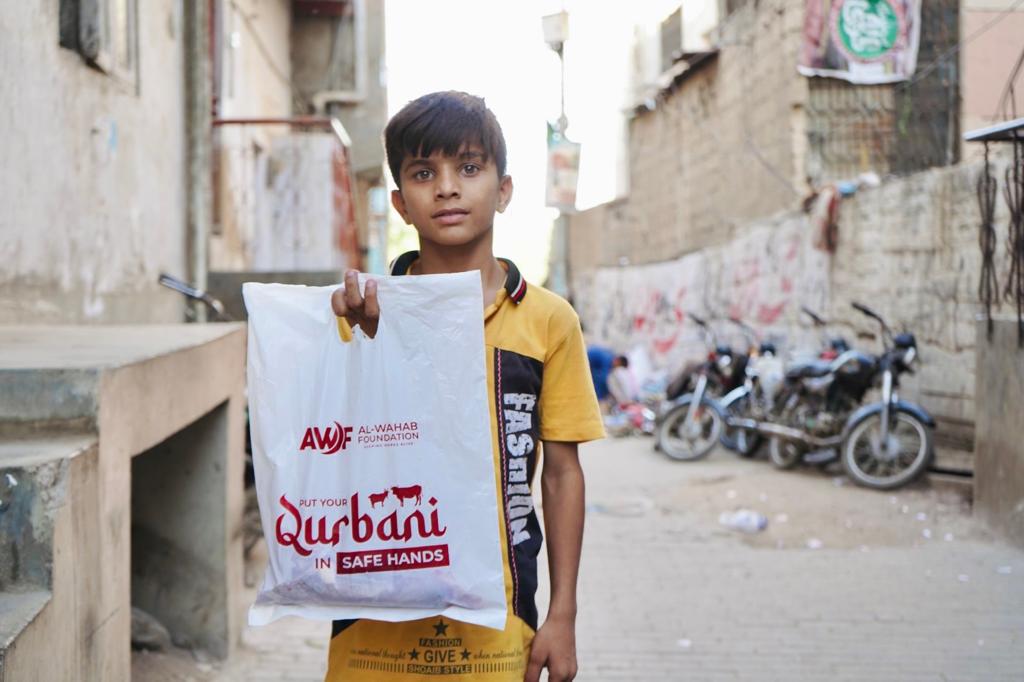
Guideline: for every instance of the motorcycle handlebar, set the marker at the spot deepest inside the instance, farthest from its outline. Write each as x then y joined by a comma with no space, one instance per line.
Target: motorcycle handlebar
813,315
866,310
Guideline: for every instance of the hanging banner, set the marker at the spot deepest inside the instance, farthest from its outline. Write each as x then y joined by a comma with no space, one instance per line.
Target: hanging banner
563,171
861,41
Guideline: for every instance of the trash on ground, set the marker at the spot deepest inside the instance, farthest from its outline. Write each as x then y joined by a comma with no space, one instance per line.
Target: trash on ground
744,520
839,481
964,578
948,537
921,516
1004,570
731,494
781,518
626,507
684,643
927,533
814,543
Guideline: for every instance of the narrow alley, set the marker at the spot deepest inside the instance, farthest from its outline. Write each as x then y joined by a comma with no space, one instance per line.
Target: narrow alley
843,584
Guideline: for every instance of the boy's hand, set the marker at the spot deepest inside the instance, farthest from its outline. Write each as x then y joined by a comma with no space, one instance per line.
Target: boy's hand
347,302
554,648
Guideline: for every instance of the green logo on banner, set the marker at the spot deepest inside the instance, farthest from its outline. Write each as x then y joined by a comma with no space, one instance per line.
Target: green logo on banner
867,29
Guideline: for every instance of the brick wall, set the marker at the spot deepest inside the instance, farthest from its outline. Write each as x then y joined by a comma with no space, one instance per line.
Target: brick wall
719,148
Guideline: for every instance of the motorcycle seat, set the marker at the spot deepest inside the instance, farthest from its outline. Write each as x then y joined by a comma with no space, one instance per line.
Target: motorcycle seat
809,370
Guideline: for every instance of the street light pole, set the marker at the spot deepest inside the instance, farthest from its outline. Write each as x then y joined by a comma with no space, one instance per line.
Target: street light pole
556,32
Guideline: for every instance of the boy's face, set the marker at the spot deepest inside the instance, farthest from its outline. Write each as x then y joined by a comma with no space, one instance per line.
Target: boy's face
451,200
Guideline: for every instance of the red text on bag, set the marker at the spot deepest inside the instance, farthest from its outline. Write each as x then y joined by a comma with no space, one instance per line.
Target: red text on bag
328,441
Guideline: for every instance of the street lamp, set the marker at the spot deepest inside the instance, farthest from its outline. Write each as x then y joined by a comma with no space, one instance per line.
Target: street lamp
556,32
562,156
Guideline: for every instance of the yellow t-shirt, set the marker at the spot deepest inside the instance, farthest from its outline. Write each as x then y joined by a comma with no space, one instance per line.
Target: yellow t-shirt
539,380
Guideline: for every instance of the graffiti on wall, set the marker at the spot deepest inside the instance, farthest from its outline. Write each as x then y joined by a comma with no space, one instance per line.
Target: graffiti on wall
761,278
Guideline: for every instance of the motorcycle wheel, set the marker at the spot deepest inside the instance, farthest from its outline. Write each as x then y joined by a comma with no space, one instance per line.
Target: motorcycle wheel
785,454
902,458
741,441
688,442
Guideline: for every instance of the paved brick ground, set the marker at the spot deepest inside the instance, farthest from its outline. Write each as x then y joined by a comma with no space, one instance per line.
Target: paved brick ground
903,587
668,593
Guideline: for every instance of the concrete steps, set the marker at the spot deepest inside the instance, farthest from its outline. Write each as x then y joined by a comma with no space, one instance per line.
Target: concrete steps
36,482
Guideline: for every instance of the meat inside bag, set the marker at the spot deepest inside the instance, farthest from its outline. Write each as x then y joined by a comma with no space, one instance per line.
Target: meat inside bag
373,457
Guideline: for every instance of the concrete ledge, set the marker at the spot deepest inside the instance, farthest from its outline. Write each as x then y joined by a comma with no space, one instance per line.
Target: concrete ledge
139,389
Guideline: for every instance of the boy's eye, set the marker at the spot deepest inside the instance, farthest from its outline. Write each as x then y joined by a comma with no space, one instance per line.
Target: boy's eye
471,169
422,174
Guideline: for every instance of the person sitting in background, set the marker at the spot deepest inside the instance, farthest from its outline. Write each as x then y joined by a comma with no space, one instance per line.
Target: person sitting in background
621,382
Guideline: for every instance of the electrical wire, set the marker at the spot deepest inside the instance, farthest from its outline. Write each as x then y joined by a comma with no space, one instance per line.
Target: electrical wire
934,64
276,70
988,286
1008,100
1013,192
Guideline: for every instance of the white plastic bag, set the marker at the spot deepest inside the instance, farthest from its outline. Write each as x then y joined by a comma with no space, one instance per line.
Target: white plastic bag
373,458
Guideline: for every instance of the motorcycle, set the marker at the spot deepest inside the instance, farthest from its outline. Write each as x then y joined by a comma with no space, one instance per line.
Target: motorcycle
755,400
740,402
881,445
692,422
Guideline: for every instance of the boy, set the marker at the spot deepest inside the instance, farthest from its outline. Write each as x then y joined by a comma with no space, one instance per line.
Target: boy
447,155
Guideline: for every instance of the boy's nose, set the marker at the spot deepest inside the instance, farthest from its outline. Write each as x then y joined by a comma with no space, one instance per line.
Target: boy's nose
447,185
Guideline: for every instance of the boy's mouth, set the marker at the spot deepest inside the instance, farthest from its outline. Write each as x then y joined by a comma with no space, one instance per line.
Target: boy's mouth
450,216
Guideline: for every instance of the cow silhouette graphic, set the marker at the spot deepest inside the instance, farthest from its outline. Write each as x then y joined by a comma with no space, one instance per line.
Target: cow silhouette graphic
412,492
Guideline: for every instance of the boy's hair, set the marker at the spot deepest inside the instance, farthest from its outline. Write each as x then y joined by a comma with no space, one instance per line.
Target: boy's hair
446,121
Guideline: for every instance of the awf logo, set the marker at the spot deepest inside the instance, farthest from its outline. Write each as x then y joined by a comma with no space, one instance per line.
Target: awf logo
327,441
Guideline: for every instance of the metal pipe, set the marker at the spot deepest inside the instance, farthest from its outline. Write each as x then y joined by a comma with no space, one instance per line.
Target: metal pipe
786,433
198,143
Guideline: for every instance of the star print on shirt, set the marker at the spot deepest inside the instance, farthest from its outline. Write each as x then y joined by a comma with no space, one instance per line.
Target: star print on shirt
465,654
414,655
440,628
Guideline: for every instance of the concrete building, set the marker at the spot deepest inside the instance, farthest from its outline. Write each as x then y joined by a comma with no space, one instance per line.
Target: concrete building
720,160
137,142
93,188
96,206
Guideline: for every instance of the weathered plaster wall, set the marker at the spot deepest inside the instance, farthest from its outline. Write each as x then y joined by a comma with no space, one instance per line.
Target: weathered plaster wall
92,184
908,249
253,81
988,61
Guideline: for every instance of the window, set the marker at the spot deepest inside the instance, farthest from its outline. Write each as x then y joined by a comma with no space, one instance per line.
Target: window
105,33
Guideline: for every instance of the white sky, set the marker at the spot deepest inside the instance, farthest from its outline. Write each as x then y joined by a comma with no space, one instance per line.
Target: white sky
496,50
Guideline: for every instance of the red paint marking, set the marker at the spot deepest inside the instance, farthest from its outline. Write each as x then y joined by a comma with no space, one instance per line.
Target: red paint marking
768,314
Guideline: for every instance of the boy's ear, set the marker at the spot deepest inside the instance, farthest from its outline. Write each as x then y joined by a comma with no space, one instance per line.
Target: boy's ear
398,201
504,193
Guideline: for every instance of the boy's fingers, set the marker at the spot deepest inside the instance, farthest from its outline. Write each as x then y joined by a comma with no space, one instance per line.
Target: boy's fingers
533,669
338,304
352,296
371,307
